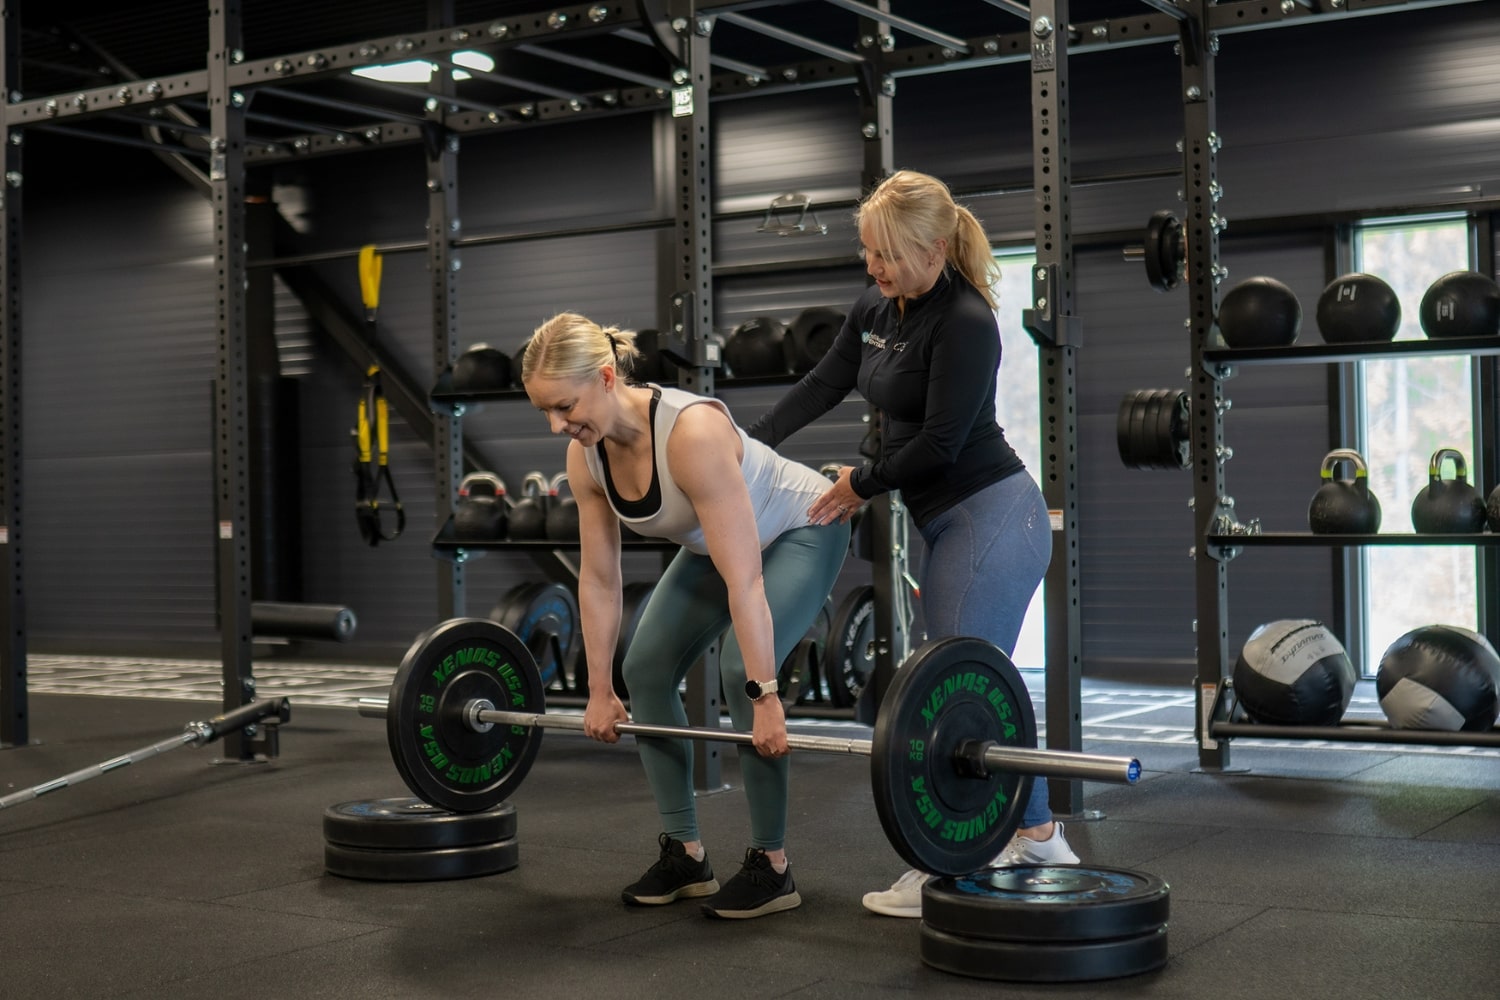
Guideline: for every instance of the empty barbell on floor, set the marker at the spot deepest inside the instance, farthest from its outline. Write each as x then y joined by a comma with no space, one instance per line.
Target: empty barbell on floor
951,762
194,734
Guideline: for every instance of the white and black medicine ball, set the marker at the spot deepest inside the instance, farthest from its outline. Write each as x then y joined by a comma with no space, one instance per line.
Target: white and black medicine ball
1294,672
1440,677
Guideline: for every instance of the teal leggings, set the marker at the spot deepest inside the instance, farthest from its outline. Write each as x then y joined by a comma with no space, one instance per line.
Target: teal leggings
689,610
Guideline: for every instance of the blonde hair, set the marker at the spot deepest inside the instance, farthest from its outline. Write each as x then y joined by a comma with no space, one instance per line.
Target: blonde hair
570,346
909,212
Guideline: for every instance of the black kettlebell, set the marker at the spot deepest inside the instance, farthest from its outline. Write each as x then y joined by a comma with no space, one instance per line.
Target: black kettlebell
528,518
562,512
1342,506
1448,506
479,514
1492,510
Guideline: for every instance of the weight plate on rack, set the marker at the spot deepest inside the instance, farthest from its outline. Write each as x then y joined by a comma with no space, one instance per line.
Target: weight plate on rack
545,617
850,658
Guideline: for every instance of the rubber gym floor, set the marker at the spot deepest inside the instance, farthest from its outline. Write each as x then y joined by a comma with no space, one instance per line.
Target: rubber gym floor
1323,871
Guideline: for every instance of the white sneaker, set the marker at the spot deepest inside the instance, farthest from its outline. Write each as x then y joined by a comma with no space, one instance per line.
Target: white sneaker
1025,851
902,899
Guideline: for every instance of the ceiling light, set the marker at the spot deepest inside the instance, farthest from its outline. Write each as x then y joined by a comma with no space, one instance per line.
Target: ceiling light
420,70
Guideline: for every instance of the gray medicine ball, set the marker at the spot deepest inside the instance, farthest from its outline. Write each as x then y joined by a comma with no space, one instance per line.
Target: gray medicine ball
1440,677
1294,672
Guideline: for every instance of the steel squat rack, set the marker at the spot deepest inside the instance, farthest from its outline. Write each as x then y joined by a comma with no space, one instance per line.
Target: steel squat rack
207,125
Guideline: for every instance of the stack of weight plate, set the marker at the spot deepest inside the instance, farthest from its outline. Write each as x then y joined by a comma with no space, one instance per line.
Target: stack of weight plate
1045,923
408,840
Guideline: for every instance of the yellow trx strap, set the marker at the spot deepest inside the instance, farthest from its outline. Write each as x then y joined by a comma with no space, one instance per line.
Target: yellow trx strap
371,466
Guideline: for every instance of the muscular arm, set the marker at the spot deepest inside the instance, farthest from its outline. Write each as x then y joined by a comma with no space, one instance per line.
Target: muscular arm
704,453
598,574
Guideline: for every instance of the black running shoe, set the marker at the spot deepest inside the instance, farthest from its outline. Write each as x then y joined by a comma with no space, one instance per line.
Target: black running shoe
756,891
675,876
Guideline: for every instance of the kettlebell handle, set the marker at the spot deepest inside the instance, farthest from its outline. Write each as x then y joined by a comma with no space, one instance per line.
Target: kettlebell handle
558,482
1460,466
534,481
1333,458
496,483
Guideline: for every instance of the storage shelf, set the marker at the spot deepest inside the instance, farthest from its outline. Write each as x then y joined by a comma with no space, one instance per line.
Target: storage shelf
1370,351
1359,732
1308,539
446,399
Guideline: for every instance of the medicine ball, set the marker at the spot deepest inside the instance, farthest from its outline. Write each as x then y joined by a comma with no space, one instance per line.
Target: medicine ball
1358,308
1461,304
1440,677
1294,672
1260,312
754,348
653,366
482,368
810,336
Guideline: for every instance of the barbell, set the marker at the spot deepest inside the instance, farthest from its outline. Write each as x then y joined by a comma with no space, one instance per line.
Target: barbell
194,734
951,762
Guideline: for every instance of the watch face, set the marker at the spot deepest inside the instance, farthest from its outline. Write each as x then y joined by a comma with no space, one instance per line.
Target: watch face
752,688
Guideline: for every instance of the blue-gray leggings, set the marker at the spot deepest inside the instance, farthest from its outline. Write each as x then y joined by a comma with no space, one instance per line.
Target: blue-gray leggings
985,557
687,611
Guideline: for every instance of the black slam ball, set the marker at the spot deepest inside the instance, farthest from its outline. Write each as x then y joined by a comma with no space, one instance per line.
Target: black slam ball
1440,677
1294,672
1260,312
1461,304
1357,308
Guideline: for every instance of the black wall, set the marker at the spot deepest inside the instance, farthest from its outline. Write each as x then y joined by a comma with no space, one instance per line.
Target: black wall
1369,114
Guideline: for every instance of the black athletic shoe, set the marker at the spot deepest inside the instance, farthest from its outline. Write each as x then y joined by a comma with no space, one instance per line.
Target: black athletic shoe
675,876
756,891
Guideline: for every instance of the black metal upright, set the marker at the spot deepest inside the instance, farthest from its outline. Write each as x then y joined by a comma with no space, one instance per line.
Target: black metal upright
231,394
889,563
14,725
1201,194
683,35
443,263
1054,325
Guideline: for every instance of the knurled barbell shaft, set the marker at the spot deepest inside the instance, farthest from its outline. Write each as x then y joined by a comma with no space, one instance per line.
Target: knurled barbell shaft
1016,760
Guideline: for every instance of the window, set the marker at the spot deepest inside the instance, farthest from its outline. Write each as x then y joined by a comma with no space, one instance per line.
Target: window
1018,409
1411,408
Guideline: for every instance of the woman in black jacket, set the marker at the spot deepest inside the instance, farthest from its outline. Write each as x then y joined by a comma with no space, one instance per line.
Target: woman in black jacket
922,345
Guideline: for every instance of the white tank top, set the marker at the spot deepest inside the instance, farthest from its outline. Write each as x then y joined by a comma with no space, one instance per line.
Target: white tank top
781,491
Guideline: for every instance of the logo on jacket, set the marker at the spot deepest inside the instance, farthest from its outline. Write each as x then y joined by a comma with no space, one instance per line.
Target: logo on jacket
879,343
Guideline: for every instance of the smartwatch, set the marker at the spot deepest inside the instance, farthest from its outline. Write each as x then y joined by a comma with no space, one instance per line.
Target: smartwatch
758,689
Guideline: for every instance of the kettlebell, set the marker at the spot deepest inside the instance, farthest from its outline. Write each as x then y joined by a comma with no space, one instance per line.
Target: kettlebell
1342,506
479,514
1448,506
528,518
562,512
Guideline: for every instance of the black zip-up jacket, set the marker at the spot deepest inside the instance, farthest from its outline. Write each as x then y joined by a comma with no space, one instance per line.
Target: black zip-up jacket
931,373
